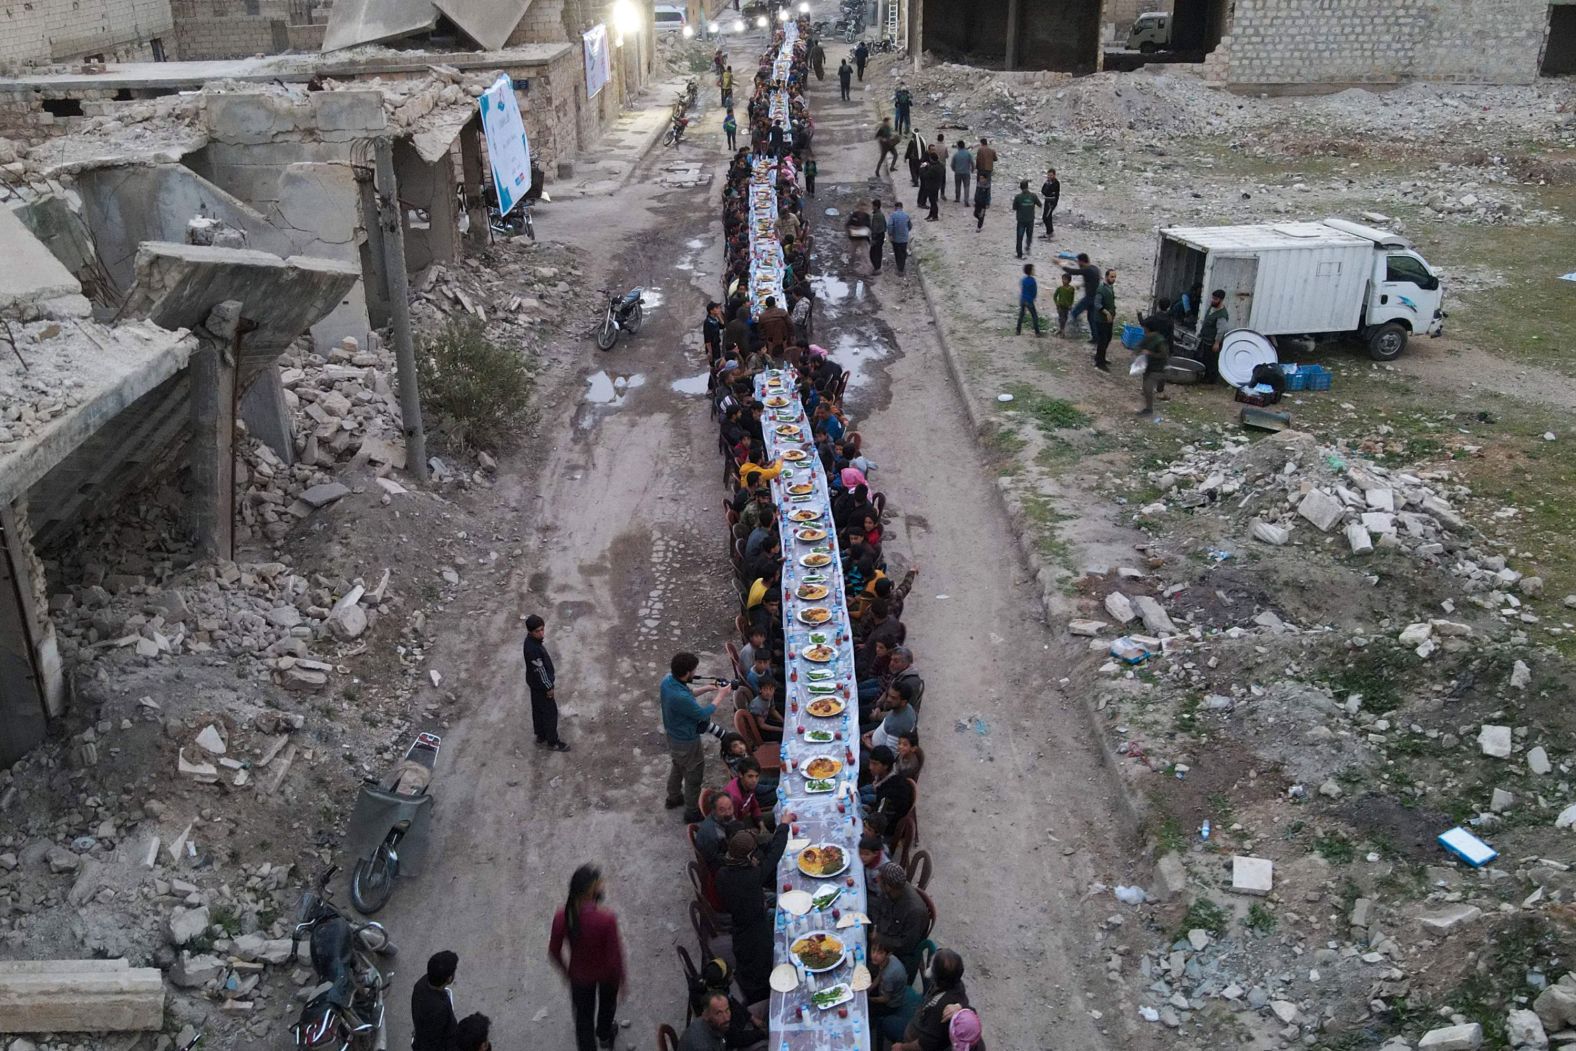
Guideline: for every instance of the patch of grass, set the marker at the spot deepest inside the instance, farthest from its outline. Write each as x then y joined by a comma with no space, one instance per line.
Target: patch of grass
1337,850
1259,919
1377,672
1220,803
1003,440
225,916
1051,414
1204,914
1040,512
478,392
1525,944
1169,837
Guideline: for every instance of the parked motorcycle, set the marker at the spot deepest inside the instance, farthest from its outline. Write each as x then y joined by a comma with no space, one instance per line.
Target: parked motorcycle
687,96
345,1012
386,814
624,314
518,221
675,133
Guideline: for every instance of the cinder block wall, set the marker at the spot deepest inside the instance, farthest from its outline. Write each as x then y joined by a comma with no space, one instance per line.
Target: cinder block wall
43,31
1362,42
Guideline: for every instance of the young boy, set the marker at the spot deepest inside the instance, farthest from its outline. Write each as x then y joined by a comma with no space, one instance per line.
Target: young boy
1063,297
809,175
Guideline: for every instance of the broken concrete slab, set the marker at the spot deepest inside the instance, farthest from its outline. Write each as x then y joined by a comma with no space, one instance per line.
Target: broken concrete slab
1268,533
187,924
323,494
1358,540
1449,918
1120,607
1495,741
193,972
1154,617
1252,875
1520,675
1501,801
211,740
1415,634
1170,878
1524,1029
1322,509
1086,628
1452,1038
198,771
1538,760
80,996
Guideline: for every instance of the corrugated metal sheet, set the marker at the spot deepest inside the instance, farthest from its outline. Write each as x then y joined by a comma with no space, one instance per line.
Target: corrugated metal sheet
1312,286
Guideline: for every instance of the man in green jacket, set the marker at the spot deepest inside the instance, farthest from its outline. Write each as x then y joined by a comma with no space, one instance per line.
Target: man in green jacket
1105,320
1026,206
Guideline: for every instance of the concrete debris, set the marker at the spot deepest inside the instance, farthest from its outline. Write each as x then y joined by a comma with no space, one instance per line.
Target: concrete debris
1120,608
79,996
1520,675
1154,617
1452,1038
1495,741
1086,628
1502,801
1538,760
1358,540
1267,533
1322,509
1449,919
1252,875
1170,878
211,741
1524,1029
188,924
1556,1005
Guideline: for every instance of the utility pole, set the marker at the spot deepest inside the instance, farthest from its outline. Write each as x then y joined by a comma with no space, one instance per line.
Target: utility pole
389,212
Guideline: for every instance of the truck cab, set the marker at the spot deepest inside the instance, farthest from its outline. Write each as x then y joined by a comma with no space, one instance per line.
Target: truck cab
1404,294
1150,32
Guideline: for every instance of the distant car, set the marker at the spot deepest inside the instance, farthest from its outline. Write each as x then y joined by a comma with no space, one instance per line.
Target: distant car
668,18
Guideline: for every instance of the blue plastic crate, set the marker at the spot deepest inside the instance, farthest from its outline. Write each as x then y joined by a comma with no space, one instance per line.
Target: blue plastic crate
1296,380
1320,380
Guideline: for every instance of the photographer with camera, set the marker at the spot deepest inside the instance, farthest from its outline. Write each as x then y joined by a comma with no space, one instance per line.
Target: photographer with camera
684,720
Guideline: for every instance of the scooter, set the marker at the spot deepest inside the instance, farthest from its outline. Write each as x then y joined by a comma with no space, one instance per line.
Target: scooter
624,314
675,133
345,1012
386,814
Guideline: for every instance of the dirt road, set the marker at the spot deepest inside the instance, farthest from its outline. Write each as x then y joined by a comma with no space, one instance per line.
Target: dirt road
623,553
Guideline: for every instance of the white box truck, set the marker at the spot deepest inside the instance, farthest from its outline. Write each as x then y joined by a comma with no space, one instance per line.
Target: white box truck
1325,280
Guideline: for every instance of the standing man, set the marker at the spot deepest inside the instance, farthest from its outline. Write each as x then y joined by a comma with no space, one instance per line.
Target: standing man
727,84
1105,304
1051,195
775,140
1210,333
898,227
818,59
962,171
711,331
985,157
878,232
914,156
539,676
1026,207
730,127
981,200
886,140
1090,275
845,77
1157,355
683,719
432,1021
932,184
861,56
1028,292
902,103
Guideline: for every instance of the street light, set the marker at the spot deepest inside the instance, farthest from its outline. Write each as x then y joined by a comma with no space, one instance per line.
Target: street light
804,8
782,15
626,20
738,25
760,23
713,29
688,32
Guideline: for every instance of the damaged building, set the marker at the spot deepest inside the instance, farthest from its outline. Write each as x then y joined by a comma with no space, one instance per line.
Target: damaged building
1281,46
162,258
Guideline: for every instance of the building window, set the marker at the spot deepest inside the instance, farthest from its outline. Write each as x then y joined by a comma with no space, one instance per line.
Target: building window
157,47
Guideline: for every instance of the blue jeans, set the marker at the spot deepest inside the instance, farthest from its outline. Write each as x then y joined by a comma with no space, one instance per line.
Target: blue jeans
902,124
1025,238
869,691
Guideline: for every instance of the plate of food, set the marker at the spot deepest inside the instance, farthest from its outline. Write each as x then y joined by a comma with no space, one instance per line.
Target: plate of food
804,514
820,654
777,401
825,707
819,786
816,558
789,430
821,767
819,951
809,535
833,996
811,592
820,736
814,615
795,455
802,489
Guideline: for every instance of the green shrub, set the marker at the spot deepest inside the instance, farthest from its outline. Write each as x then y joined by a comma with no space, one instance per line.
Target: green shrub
476,393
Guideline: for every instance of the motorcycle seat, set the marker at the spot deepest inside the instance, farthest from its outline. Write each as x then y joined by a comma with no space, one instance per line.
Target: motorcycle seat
331,955
633,294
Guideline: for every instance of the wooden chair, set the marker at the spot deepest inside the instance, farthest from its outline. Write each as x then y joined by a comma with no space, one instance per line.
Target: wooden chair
918,868
705,931
930,907
739,671
741,623
769,755
841,387
904,837
708,796
855,438
667,1039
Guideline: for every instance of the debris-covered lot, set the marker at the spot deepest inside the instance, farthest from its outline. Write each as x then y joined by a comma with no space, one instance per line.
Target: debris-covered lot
1312,652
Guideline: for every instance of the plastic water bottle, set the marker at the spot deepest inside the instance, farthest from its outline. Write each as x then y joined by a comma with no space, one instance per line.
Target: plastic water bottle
1203,831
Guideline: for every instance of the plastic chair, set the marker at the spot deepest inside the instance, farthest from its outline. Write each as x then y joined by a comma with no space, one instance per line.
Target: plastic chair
904,837
705,930
708,796
691,979
918,869
878,501
705,885
667,1039
733,653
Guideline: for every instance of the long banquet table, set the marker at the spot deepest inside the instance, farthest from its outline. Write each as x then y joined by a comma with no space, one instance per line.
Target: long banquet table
824,813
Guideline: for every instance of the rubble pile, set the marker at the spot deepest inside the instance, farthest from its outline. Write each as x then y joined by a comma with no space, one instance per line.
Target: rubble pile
1275,489
536,289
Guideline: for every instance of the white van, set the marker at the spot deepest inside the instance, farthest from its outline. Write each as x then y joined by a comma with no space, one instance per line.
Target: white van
668,18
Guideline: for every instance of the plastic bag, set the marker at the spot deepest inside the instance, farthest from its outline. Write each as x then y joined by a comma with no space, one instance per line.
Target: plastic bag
1139,366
